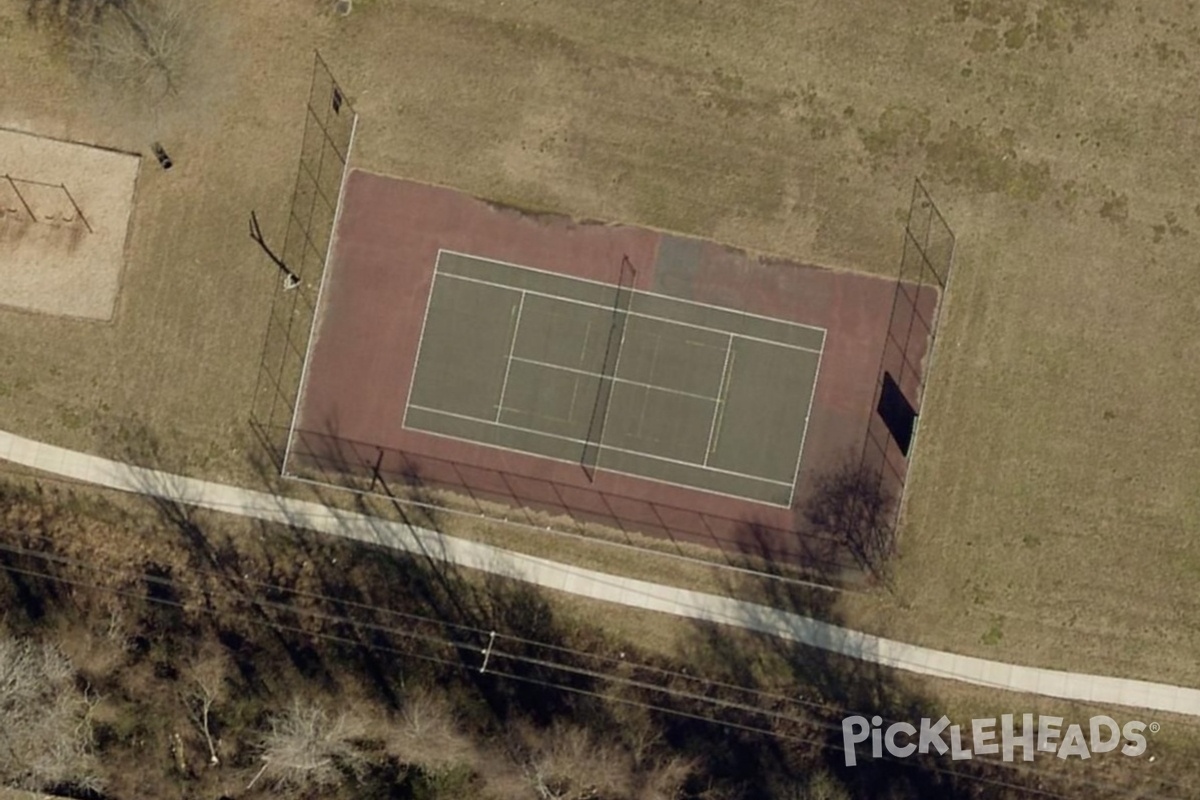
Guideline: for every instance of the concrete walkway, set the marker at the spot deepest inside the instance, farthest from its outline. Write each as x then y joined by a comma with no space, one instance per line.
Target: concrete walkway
1095,689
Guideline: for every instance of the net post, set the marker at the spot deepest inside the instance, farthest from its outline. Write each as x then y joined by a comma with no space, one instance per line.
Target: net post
612,357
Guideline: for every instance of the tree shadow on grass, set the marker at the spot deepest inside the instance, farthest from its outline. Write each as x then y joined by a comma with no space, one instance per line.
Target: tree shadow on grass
731,666
817,674
814,691
759,715
392,590
850,507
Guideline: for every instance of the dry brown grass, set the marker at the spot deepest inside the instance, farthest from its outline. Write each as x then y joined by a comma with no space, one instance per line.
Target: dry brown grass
1168,767
1053,497
98,543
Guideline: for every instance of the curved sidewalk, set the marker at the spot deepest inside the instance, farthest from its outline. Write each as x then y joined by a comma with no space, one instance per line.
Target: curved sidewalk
1094,689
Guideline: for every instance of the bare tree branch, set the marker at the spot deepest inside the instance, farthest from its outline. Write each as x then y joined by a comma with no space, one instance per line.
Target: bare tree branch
46,737
205,688
135,44
426,733
307,748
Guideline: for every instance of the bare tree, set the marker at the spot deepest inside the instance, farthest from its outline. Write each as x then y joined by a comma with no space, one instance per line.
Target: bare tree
46,736
205,688
665,779
139,43
426,733
660,773
135,44
574,766
308,748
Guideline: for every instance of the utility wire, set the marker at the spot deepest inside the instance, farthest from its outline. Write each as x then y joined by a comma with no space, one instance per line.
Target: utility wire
499,655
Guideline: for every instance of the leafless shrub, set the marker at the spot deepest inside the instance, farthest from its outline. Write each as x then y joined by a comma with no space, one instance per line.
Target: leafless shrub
572,765
819,786
664,780
660,776
426,733
46,737
307,748
98,649
139,45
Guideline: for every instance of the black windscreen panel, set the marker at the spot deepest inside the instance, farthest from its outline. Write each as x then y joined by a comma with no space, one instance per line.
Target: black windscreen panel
897,413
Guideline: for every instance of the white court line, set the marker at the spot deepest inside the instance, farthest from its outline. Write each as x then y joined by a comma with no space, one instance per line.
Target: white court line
562,299
640,291
712,429
812,395
574,398
412,381
703,465
615,379
312,330
508,364
573,440
575,463
587,338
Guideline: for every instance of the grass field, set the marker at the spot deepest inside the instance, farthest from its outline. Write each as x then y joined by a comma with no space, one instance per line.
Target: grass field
1052,504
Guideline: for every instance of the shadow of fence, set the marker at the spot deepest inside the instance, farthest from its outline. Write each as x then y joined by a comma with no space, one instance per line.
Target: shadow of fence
440,486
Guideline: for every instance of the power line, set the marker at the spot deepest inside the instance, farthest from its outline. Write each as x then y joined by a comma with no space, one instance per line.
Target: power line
614,662
563,687
482,633
500,655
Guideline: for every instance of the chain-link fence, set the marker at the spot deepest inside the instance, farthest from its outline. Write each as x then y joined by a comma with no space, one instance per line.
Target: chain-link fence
432,486
329,123
809,540
904,367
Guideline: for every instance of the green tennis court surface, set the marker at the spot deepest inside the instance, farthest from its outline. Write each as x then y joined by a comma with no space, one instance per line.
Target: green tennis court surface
614,379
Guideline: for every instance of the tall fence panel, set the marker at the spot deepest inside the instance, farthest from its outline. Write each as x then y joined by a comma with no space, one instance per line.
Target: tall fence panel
329,122
922,278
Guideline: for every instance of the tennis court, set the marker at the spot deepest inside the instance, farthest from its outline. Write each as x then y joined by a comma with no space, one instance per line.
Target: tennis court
614,379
